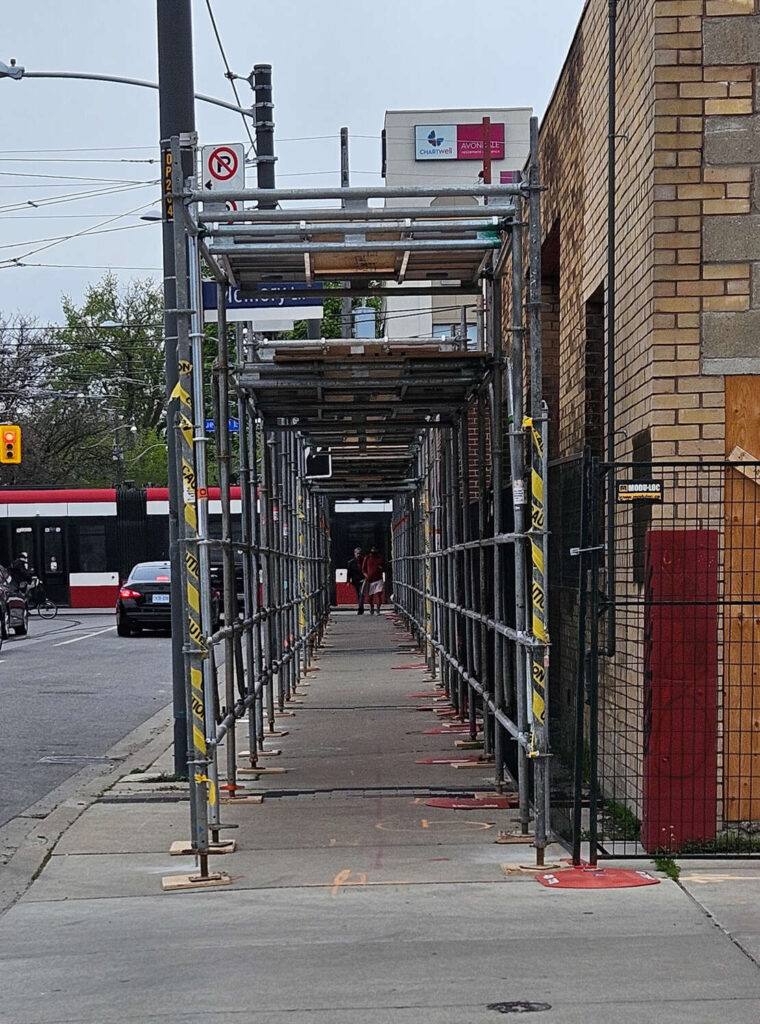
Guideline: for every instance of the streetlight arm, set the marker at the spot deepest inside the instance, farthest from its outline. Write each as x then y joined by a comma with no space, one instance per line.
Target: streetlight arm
17,72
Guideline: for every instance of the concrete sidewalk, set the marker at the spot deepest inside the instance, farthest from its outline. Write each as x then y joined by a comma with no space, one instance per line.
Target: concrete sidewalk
351,900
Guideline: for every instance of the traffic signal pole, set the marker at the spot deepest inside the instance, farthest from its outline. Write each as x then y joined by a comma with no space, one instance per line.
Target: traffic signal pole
176,118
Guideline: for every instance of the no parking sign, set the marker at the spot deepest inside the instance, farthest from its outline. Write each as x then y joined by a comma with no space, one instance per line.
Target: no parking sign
223,167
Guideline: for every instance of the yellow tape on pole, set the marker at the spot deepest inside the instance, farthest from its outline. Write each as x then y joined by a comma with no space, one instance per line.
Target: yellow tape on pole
538,671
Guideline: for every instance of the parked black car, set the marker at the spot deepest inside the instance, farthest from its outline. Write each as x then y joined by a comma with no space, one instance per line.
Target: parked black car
144,600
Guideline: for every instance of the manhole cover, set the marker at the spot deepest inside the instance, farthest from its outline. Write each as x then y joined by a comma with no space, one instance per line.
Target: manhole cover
519,1007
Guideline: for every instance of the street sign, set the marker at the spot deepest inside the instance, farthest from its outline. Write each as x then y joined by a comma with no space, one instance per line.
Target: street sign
223,167
232,425
267,295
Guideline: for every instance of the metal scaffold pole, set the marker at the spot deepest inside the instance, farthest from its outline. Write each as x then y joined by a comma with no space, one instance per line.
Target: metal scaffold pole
203,791
539,751
453,546
517,466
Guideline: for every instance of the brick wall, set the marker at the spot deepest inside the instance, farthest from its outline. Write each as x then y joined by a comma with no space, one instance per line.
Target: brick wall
687,282
688,217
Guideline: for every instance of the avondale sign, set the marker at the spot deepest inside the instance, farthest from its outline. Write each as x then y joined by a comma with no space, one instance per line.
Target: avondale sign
456,142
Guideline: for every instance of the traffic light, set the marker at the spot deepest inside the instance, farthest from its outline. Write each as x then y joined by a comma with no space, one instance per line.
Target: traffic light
10,445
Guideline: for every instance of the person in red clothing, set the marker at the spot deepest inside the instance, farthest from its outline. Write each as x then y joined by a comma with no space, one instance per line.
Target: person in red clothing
373,568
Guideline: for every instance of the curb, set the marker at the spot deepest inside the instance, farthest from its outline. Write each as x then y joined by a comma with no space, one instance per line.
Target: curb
36,832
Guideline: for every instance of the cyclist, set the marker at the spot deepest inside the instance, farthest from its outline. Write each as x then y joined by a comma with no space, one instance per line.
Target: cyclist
20,571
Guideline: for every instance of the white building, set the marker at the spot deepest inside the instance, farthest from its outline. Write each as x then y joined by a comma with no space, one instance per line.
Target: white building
445,147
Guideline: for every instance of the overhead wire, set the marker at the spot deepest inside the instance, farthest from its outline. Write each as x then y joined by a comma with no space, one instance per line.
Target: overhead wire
71,177
72,196
229,75
95,229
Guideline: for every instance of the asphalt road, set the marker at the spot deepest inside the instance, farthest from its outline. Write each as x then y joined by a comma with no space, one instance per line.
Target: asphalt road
69,690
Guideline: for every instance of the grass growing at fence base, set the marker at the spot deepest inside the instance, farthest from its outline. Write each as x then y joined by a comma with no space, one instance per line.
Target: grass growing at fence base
668,866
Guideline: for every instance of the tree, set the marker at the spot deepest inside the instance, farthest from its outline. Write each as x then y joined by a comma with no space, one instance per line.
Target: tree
111,351
90,396
332,318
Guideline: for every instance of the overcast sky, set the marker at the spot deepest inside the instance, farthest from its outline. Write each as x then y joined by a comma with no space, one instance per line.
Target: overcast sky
336,62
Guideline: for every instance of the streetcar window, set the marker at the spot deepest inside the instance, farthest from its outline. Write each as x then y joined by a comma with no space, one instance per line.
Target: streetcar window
53,549
92,547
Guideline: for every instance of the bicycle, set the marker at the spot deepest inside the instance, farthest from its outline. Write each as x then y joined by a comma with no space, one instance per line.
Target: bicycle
40,602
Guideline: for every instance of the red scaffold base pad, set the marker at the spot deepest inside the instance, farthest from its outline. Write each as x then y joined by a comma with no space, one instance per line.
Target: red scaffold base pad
596,878
471,803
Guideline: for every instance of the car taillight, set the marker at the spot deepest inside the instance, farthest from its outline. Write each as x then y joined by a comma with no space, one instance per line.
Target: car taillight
126,592
162,579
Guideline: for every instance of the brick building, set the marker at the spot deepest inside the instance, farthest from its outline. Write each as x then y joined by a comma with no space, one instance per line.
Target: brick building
687,338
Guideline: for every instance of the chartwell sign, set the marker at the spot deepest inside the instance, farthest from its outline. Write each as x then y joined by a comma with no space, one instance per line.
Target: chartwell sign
456,142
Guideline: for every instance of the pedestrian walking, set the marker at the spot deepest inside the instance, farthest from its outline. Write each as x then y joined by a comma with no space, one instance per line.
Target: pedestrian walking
356,578
373,568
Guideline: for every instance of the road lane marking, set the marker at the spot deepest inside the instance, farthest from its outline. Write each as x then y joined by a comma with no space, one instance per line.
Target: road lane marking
84,636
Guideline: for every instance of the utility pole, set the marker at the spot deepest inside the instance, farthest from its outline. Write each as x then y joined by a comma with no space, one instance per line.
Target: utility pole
176,118
345,303
264,124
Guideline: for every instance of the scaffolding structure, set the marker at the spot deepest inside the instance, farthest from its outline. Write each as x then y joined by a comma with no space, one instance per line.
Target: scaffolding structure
435,427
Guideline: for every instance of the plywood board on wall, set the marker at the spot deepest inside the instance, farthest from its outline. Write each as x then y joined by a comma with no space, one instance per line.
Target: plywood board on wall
741,670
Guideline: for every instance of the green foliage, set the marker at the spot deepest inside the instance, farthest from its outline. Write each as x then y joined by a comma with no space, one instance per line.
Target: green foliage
618,822
668,866
90,395
332,316
729,842
112,348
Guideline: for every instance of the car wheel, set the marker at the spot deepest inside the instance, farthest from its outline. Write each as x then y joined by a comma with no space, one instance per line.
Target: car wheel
123,628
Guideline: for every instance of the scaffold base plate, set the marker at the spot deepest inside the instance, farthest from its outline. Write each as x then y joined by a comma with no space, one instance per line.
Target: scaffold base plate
252,798
467,803
183,847
446,760
468,744
468,762
262,771
275,732
398,668
284,714
442,730
596,878
527,869
170,883
514,837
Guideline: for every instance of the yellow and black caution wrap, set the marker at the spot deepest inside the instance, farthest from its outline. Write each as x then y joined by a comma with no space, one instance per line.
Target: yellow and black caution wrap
198,651
538,591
